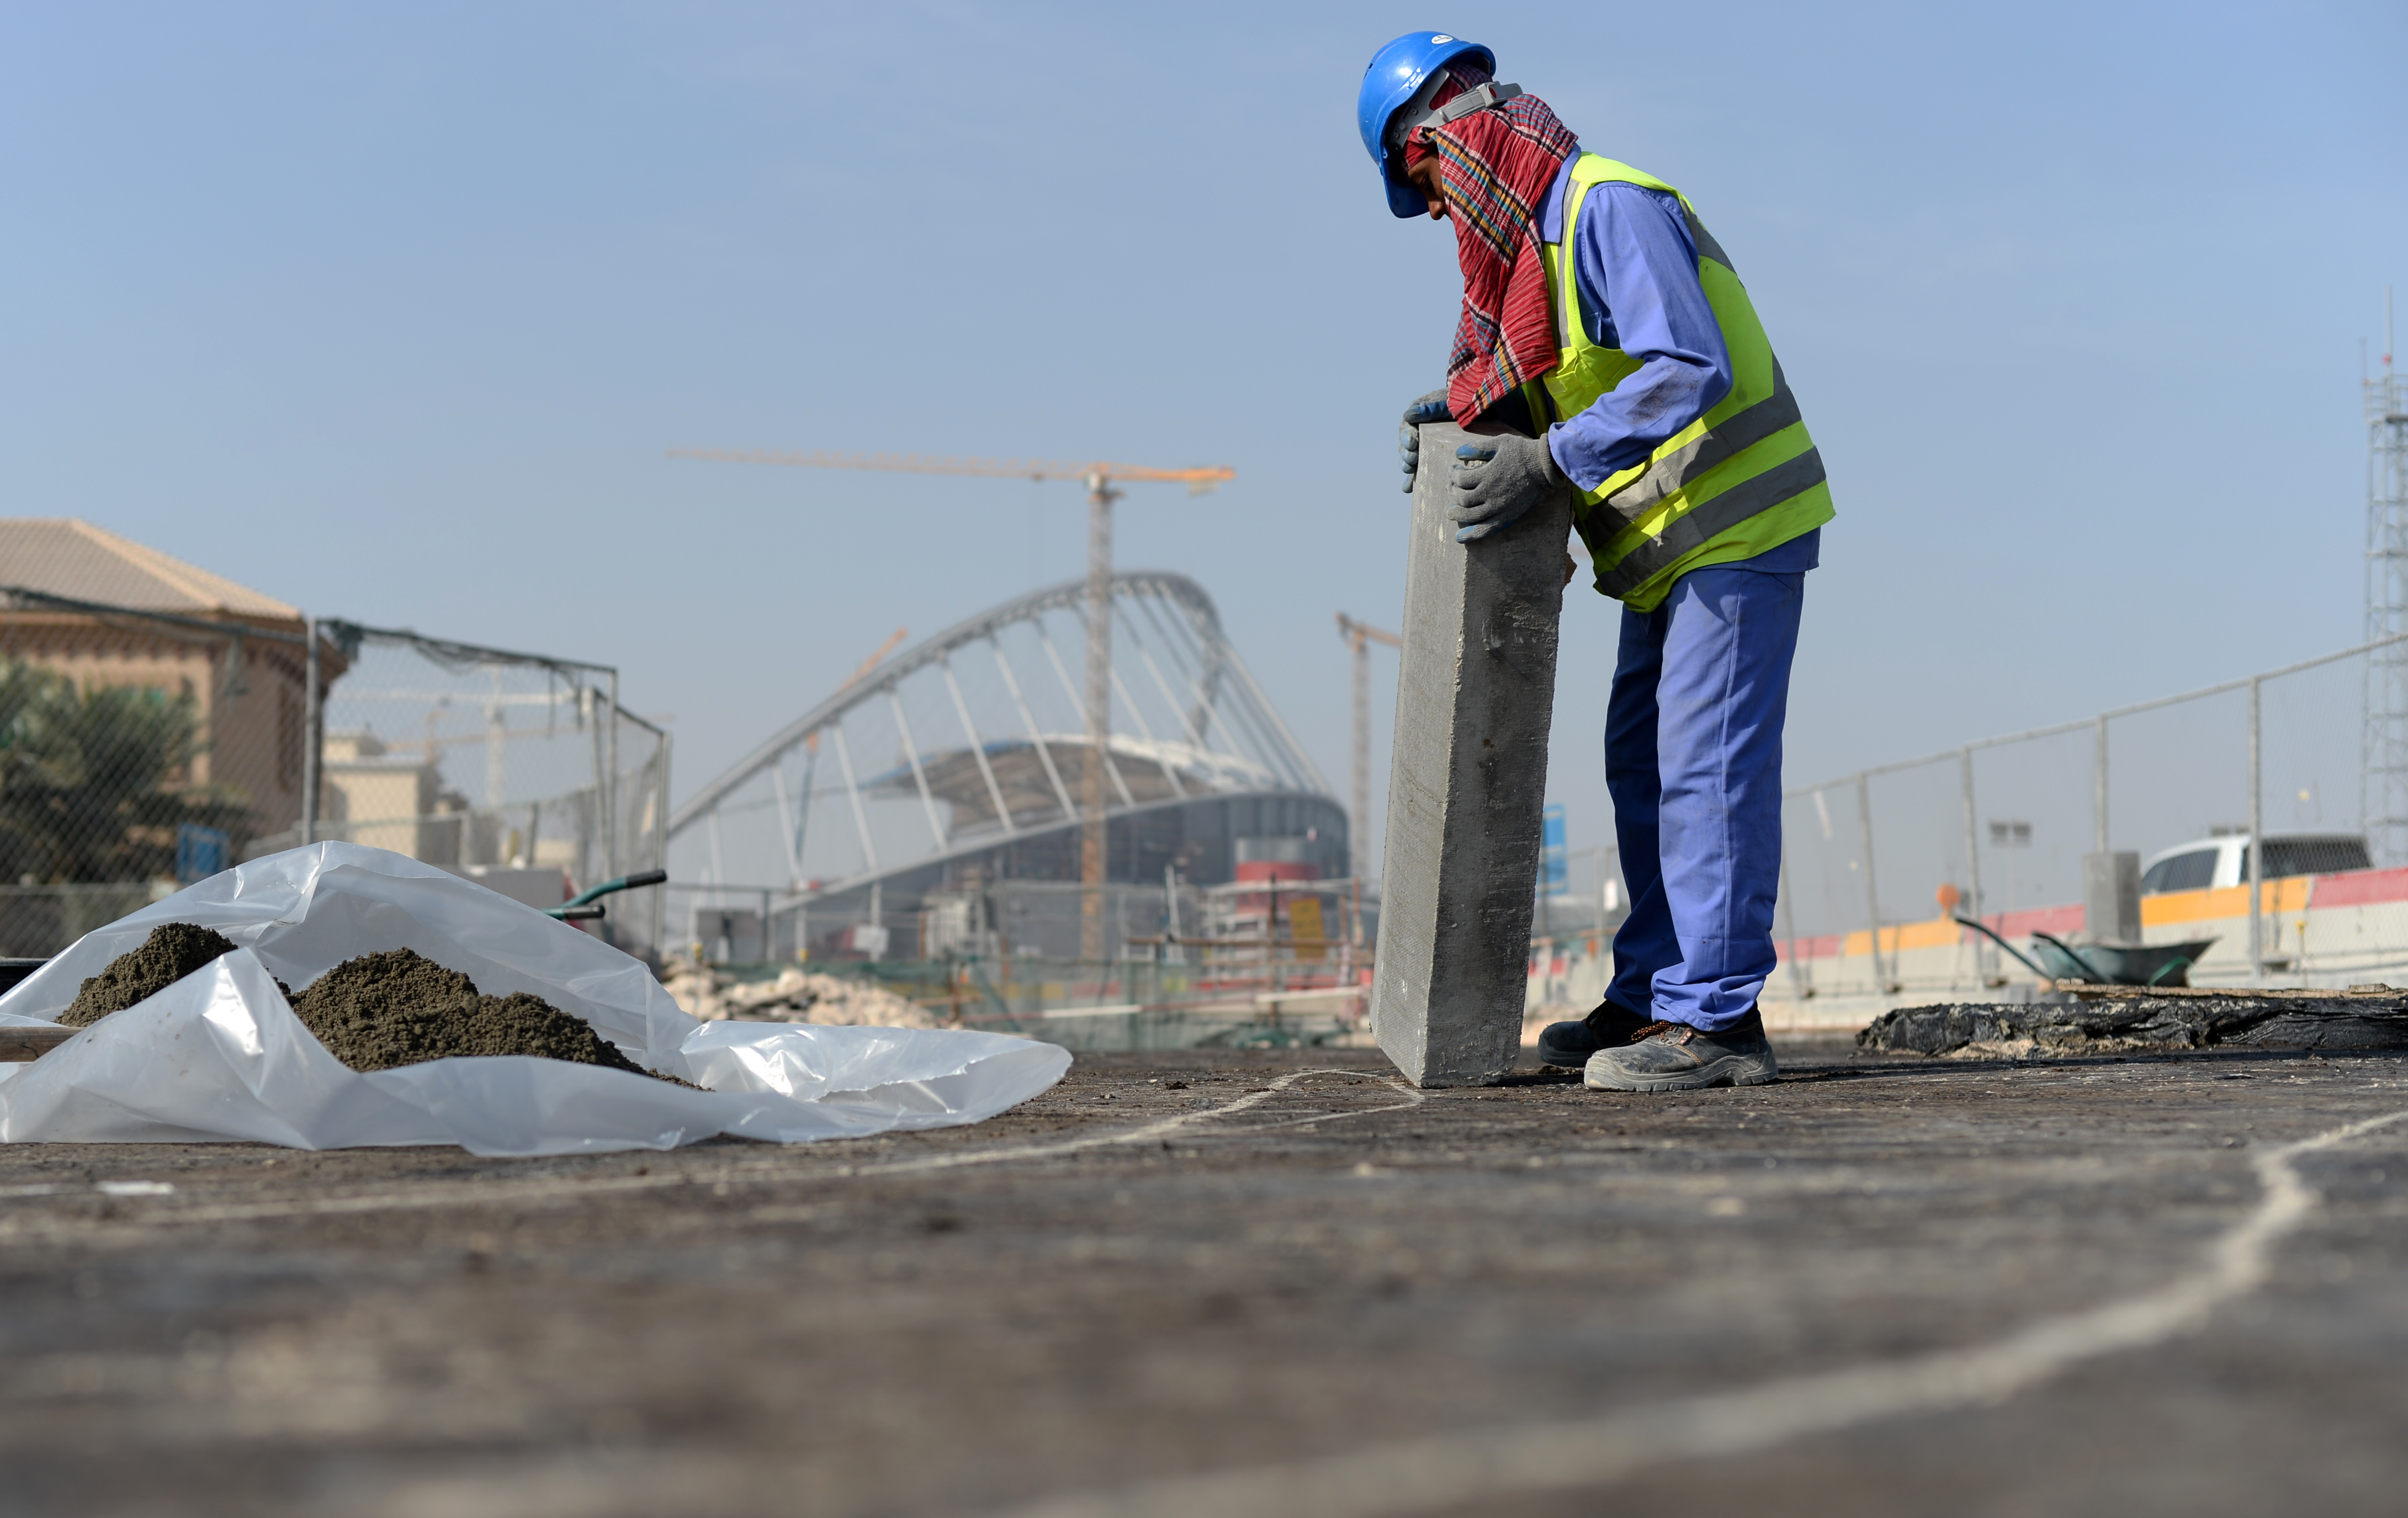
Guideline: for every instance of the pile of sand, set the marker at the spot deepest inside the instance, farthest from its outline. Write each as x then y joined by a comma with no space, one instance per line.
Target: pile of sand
172,952
373,1013
796,995
399,1007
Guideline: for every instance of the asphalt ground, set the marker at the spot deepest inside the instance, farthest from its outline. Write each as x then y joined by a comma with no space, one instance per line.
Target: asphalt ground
1262,1282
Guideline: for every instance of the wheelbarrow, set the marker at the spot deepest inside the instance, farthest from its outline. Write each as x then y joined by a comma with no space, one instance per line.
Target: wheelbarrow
581,908
2104,963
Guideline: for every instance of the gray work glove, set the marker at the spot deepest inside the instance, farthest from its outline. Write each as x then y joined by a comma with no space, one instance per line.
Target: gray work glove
1430,407
1496,479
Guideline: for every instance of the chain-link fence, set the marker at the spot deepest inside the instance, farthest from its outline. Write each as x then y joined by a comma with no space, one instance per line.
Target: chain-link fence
752,924
2018,832
138,751
1026,920
143,750
521,771
1259,961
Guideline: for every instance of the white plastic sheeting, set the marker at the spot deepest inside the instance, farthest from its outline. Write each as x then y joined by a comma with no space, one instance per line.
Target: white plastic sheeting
219,1055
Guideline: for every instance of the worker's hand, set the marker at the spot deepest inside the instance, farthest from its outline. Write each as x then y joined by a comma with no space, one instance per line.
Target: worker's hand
1430,407
1496,479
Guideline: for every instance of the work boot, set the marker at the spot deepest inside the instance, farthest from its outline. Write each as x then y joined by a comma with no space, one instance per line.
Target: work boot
1673,1057
1569,1045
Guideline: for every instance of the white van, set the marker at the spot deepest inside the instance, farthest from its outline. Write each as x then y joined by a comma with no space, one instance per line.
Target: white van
2211,863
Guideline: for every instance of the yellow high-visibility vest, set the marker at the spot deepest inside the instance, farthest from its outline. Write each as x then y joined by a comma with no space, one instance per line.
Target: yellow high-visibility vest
1740,480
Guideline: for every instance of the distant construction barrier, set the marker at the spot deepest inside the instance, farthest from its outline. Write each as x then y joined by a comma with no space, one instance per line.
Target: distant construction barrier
2330,931
1875,865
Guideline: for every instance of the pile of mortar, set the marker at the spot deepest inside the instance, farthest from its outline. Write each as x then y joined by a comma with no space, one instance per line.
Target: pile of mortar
373,1013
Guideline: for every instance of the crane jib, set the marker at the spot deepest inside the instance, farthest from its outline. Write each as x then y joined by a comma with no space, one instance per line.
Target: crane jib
1205,476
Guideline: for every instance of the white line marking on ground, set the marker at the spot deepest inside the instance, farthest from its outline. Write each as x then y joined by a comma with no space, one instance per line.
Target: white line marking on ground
519,1193
1162,1129
1420,1475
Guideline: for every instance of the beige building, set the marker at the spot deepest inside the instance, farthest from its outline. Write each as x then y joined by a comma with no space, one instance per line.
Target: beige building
248,693
396,801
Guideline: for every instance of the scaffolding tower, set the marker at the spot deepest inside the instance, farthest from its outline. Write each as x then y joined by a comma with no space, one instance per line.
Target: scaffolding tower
2385,748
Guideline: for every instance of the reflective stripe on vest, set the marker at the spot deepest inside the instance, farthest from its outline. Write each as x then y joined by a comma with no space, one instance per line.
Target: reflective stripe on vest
1734,508
1741,479
1667,471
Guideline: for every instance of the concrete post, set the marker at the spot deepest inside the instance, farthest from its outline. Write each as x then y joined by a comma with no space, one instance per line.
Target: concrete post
2111,896
1467,782
2098,786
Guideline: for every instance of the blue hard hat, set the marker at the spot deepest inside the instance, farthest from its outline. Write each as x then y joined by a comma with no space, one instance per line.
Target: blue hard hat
1397,72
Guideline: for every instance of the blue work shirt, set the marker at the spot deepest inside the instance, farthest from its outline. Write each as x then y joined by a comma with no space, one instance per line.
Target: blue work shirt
1635,267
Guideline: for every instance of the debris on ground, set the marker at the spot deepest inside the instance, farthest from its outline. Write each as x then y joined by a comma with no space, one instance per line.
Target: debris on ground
797,995
399,1007
172,952
2111,1023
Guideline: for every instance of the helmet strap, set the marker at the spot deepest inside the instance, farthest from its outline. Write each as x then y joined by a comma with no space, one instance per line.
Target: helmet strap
1482,98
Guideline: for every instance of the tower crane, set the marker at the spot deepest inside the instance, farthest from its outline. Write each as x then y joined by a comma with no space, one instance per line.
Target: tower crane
1361,636
1102,480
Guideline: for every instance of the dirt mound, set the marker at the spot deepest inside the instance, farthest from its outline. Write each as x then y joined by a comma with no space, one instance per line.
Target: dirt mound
373,1013
172,952
399,1007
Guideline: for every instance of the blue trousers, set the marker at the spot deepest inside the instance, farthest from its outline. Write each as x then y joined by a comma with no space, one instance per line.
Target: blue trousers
1693,763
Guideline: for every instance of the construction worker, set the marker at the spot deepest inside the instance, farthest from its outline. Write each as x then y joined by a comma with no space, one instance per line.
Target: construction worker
1608,351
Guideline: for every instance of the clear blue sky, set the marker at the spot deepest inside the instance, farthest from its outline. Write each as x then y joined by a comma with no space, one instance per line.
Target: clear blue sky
392,311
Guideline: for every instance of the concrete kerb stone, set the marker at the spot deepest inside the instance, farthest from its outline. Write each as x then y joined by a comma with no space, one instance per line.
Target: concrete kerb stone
1475,695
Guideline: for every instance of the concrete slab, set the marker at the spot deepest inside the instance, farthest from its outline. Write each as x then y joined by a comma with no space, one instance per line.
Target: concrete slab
1466,783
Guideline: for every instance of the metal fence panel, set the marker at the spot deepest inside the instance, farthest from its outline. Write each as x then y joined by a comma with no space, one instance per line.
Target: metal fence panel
141,750
500,766
1876,866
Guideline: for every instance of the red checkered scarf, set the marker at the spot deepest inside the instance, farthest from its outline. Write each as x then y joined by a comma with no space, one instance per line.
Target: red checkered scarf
1494,167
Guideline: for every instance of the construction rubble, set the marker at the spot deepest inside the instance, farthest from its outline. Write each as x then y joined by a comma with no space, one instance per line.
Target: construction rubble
797,995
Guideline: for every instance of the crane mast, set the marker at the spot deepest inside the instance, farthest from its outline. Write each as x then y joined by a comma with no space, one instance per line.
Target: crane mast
1361,636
